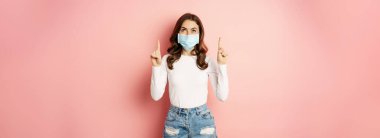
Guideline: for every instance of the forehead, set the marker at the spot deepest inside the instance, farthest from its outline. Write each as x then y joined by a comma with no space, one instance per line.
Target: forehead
189,24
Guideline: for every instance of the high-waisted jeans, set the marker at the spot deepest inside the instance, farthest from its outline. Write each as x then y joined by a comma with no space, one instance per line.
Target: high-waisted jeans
197,122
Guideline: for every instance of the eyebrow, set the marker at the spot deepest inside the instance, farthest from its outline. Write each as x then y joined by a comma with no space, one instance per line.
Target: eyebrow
191,28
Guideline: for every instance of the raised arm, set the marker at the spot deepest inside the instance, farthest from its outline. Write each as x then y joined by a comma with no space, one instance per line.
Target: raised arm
218,74
159,74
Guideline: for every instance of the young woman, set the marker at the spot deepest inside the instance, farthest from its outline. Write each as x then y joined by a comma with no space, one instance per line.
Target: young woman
188,70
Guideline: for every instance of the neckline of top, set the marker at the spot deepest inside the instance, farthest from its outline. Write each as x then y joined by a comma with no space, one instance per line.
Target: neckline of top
189,55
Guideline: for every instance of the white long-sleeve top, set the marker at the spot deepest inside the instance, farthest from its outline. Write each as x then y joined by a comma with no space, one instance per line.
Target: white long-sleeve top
188,85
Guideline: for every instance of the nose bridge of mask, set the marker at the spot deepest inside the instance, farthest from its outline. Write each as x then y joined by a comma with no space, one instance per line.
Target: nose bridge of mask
192,37
187,37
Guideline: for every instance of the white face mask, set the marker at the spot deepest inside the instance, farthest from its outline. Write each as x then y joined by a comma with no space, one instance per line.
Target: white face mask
188,41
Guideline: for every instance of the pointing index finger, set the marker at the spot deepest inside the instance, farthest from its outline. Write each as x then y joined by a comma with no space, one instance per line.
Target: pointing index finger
219,43
158,44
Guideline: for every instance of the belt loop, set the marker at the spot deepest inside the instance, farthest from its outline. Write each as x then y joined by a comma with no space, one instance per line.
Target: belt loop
177,110
198,110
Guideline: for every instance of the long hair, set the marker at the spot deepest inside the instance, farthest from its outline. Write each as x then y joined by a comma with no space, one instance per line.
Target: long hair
175,50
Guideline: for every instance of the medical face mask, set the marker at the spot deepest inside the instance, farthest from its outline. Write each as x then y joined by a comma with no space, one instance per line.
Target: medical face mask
188,41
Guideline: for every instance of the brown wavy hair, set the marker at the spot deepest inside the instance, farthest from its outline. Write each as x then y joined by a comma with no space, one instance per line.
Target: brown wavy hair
175,50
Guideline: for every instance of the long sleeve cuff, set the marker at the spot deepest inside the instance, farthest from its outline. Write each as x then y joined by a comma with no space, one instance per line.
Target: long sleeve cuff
223,69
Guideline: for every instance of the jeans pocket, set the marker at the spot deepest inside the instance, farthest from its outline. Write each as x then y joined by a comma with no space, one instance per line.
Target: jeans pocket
172,116
206,114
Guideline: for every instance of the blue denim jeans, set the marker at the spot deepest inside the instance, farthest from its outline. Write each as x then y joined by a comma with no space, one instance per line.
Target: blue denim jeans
197,122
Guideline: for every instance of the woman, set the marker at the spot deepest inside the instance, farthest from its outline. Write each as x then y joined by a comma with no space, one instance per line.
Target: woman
188,69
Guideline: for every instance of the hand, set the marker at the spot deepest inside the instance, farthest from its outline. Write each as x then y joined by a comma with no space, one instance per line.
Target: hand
156,55
222,55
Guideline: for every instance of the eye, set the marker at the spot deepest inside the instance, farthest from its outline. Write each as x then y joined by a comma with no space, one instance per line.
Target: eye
194,31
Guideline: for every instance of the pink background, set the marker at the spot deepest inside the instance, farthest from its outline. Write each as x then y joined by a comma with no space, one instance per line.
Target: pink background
298,69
